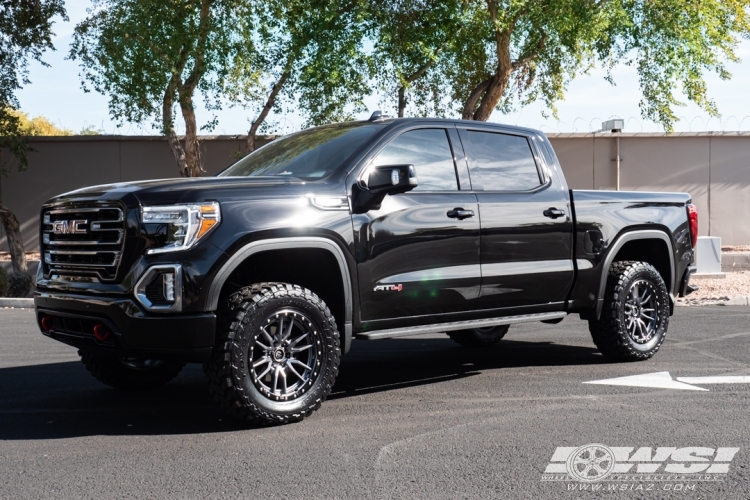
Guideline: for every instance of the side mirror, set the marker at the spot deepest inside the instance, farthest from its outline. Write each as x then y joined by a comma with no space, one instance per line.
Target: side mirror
382,180
392,179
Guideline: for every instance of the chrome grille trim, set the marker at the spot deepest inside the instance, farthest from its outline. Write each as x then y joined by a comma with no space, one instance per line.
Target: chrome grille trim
47,240
68,254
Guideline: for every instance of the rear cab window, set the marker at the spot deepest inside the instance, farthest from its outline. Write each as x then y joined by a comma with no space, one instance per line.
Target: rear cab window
505,162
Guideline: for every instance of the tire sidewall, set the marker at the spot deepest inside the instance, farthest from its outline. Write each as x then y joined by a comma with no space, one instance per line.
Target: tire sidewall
245,338
648,273
491,335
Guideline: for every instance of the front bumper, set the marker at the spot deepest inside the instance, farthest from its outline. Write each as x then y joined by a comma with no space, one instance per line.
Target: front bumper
134,333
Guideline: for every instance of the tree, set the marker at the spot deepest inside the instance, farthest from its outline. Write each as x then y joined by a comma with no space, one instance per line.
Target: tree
148,54
308,55
25,33
38,125
410,36
512,52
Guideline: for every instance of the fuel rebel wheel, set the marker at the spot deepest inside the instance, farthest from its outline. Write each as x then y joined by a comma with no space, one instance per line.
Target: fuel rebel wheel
276,356
635,314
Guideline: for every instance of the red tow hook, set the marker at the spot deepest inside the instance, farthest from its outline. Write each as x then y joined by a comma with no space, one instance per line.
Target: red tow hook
48,323
101,332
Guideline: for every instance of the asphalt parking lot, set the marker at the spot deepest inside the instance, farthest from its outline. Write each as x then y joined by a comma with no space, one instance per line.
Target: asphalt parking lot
417,417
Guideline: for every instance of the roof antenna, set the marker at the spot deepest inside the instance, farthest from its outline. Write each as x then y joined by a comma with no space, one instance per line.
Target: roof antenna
377,116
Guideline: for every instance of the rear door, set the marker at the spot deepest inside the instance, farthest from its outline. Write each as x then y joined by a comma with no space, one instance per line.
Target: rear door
526,225
415,256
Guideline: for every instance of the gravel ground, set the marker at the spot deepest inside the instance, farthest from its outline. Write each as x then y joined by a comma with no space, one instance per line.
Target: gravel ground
735,248
5,256
714,291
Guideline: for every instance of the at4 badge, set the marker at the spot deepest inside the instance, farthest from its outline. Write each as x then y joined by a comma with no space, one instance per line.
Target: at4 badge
389,288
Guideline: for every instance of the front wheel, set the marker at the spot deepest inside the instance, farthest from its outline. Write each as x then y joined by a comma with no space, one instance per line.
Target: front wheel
635,315
479,337
276,355
129,373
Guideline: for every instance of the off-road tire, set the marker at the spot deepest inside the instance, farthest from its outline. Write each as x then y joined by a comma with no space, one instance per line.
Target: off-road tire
610,332
229,375
121,373
479,337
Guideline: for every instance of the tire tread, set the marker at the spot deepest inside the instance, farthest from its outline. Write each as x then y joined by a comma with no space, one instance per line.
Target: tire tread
222,375
612,340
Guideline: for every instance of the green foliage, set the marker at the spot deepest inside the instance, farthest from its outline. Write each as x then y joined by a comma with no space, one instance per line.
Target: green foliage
309,57
410,36
130,50
511,52
19,284
25,33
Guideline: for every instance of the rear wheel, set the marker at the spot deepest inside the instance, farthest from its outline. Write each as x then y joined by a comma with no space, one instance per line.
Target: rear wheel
635,315
276,355
129,373
479,337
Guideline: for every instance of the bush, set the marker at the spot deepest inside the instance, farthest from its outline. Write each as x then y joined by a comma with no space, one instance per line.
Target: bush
3,282
19,284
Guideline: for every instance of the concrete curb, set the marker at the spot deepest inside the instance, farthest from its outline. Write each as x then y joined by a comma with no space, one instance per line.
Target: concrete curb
17,303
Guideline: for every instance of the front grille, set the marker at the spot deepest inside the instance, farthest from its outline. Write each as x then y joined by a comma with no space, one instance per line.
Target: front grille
83,241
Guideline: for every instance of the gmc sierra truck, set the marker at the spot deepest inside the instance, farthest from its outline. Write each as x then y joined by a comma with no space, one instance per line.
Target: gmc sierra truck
366,230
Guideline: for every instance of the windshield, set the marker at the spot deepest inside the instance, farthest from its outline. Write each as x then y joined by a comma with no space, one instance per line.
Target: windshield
308,155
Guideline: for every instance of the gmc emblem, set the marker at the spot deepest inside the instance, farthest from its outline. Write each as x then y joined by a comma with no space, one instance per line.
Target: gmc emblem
69,226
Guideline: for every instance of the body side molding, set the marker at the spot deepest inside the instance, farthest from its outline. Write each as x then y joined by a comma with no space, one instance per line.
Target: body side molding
460,325
285,243
647,234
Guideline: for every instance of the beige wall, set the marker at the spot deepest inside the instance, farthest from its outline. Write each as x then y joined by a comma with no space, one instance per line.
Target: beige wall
61,164
713,167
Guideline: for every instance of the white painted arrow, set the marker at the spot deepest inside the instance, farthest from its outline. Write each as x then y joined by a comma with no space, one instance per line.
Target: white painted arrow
659,380
726,379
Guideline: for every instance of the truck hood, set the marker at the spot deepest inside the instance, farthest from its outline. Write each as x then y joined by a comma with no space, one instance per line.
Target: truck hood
193,190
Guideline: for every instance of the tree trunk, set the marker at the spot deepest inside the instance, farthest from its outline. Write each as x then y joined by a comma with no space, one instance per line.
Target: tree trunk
493,94
15,243
251,139
192,148
401,101
471,102
489,93
174,142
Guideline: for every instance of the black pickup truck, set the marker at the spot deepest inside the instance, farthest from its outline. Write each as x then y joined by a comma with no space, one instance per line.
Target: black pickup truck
360,230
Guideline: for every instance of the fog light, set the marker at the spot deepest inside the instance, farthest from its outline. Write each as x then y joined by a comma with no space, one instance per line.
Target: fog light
160,288
168,285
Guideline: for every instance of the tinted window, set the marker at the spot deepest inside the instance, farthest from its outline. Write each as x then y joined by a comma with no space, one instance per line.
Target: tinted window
308,155
428,150
505,161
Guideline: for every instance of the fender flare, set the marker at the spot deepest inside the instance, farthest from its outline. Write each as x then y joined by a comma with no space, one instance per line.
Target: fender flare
254,247
647,234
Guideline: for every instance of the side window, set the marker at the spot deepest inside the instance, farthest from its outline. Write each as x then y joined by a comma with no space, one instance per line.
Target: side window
505,161
428,150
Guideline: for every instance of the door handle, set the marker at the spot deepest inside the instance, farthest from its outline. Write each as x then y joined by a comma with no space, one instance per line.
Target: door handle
553,213
460,213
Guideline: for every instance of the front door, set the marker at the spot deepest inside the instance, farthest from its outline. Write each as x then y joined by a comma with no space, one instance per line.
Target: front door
418,255
527,228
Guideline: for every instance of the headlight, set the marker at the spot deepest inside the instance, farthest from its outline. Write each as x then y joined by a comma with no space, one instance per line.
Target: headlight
179,227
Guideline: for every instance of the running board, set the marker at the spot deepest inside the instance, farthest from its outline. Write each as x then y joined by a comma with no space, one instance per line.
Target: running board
460,325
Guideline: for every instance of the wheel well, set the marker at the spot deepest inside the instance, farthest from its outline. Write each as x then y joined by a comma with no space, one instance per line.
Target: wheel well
653,251
312,268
